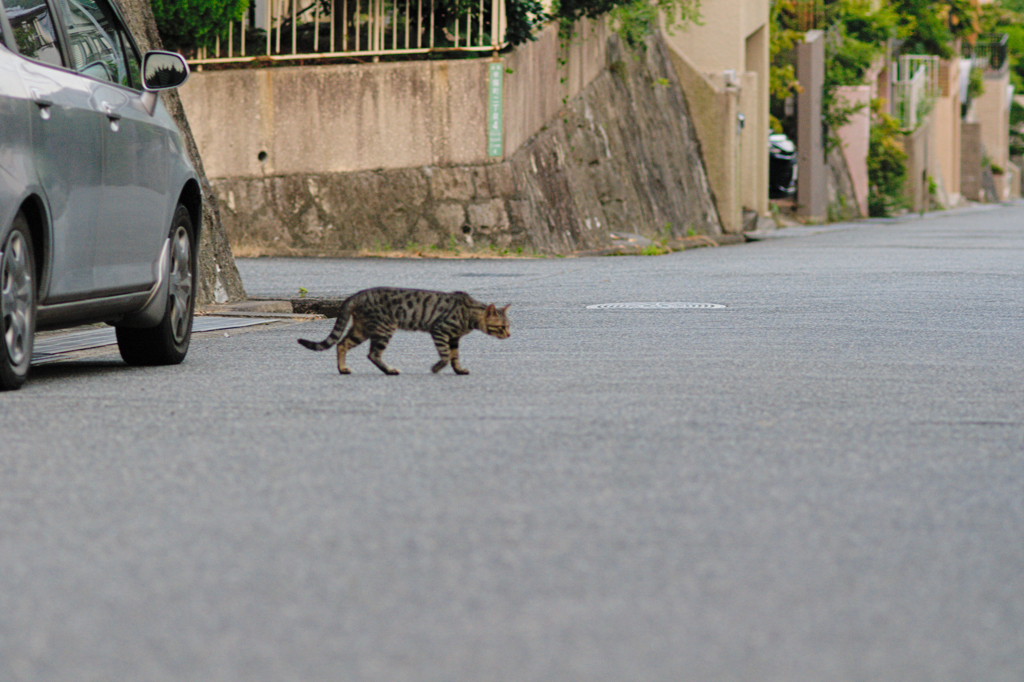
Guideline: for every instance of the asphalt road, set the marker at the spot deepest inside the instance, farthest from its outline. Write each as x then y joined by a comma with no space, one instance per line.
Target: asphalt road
821,480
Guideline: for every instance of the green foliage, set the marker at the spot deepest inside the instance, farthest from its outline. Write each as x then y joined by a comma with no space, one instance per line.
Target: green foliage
863,23
887,164
1015,49
849,50
634,20
187,24
1016,145
930,26
782,82
523,17
975,84
856,37
1016,114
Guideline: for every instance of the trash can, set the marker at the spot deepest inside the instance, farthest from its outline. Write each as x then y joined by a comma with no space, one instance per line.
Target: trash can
781,166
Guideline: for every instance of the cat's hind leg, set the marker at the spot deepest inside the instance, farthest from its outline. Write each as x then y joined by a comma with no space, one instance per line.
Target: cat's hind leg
351,340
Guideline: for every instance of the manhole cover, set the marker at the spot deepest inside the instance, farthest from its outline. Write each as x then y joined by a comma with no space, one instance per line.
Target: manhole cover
664,305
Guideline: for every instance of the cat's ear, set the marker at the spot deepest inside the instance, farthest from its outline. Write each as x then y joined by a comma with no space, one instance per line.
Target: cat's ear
491,310
505,309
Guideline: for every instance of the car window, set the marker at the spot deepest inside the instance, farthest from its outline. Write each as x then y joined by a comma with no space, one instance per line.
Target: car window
131,58
34,32
98,43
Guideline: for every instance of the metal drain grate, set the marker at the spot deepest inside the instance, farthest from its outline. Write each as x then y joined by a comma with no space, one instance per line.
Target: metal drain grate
665,305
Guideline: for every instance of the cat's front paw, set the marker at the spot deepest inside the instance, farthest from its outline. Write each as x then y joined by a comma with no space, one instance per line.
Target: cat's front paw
459,370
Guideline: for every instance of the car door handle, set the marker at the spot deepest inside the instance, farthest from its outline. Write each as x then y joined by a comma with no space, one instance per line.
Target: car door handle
44,104
108,109
40,100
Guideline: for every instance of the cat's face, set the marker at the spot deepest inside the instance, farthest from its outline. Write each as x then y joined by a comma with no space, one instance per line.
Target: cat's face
496,321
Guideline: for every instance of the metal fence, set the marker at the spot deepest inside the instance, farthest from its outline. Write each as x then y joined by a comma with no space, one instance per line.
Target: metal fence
915,87
989,51
349,28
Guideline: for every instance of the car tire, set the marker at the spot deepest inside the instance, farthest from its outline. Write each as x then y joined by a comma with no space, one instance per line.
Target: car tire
17,305
167,343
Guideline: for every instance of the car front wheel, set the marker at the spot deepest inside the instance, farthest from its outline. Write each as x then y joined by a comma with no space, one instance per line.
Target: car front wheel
167,343
17,305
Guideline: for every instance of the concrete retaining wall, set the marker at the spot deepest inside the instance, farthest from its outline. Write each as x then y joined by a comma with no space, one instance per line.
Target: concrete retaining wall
350,117
597,140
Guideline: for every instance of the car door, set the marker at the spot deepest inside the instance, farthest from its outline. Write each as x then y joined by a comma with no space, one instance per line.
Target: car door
130,228
67,144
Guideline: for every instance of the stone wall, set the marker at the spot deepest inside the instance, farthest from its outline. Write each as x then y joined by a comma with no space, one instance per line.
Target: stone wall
621,156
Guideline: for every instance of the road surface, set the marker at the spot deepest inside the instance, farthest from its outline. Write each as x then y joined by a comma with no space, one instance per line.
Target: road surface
822,479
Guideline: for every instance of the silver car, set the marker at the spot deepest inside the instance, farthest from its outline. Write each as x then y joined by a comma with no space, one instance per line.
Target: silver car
100,208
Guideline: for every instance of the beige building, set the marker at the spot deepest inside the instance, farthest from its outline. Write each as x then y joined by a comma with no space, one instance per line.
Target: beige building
992,110
723,67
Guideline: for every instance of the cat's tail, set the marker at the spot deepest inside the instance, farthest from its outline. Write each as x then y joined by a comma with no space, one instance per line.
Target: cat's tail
336,334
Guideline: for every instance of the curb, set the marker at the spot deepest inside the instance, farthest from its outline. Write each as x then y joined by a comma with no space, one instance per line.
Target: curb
677,244
257,307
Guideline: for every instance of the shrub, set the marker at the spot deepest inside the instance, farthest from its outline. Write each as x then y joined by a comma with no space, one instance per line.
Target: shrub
634,19
187,24
887,164
522,18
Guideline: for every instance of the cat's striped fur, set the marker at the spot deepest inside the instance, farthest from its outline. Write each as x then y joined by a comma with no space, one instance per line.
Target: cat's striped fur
377,313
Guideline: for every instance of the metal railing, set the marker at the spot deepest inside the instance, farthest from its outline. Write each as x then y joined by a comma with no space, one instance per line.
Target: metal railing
915,87
989,51
329,29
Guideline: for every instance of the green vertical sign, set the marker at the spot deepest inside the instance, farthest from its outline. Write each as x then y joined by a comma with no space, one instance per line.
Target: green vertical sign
495,106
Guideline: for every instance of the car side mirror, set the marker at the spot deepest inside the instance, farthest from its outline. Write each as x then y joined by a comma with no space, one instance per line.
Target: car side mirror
161,71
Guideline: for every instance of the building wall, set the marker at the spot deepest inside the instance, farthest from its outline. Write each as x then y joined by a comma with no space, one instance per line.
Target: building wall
812,182
731,42
714,105
855,138
992,111
719,42
757,54
947,130
922,163
971,175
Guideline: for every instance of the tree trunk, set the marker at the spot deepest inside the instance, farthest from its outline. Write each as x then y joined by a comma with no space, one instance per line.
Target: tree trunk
219,281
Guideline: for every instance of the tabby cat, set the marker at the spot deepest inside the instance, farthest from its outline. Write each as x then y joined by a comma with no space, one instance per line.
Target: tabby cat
377,313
